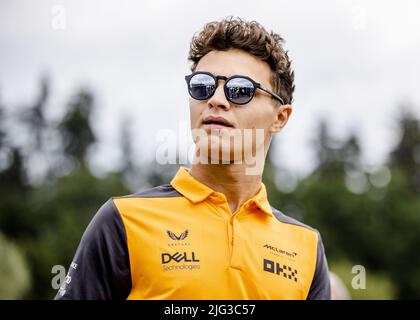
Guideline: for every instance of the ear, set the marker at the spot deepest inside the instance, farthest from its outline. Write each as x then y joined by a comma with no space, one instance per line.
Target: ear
283,115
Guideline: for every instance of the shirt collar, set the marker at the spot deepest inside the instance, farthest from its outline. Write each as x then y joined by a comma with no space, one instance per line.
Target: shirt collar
195,191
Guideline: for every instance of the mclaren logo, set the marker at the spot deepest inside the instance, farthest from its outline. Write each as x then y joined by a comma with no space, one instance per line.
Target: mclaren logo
173,236
281,251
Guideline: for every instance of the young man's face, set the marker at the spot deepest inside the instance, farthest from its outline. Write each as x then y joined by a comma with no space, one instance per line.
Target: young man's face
262,112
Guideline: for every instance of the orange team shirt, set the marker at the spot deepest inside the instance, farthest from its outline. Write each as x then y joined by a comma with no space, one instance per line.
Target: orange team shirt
181,241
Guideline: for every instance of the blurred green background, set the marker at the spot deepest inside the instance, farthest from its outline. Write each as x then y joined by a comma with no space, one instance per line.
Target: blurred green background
366,217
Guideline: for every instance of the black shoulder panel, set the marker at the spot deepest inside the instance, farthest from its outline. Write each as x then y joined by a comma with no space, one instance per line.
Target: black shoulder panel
163,191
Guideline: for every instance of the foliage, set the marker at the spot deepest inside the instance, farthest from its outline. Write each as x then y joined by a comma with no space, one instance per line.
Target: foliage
49,194
14,272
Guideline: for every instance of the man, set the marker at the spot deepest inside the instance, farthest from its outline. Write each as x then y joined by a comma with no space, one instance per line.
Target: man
211,233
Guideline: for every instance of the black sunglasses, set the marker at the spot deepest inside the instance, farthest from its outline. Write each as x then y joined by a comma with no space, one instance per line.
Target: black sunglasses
238,89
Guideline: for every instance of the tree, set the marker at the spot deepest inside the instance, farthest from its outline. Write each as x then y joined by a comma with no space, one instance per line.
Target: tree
75,128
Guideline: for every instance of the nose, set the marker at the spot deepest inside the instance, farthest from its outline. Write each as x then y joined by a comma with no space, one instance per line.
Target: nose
218,99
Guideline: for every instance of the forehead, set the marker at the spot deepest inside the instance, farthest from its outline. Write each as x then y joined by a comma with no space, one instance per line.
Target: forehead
235,62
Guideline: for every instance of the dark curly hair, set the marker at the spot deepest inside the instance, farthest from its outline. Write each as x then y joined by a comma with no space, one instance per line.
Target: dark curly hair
250,36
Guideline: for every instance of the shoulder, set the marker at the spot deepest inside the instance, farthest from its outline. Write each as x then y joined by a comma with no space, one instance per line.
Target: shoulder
162,191
135,203
283,218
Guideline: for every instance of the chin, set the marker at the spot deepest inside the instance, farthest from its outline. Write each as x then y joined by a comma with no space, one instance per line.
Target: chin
215,152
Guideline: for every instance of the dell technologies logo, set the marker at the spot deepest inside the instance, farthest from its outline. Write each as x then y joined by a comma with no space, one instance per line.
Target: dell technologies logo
179,257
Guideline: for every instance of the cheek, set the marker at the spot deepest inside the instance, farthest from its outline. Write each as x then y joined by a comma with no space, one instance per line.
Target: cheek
195,113
256,117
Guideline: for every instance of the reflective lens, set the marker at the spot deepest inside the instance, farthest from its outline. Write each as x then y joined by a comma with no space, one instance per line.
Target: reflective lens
201,86
239,90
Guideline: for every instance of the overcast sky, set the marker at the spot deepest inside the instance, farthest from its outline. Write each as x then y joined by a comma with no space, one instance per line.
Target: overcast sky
355,62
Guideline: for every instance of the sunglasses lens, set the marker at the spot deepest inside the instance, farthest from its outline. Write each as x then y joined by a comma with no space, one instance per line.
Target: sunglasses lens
201,86
240,90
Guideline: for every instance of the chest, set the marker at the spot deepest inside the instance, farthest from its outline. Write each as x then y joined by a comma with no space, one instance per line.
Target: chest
187,256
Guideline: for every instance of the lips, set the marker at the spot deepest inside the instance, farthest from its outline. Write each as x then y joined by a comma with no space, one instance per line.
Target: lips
217,122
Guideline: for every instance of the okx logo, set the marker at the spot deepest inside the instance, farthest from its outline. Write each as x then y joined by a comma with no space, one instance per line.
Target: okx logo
276,268
179,257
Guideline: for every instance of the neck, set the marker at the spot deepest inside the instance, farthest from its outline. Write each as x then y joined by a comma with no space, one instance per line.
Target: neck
229,179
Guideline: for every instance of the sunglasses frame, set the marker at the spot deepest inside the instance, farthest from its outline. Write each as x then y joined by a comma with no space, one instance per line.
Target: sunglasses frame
225,89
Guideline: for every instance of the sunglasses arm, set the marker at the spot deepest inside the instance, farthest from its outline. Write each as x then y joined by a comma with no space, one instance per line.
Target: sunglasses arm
271,92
